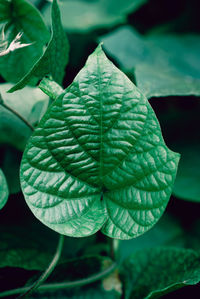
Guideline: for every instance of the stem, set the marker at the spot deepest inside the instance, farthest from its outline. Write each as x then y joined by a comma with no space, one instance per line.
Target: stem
50,87
49,269
113,244
16,113
63,285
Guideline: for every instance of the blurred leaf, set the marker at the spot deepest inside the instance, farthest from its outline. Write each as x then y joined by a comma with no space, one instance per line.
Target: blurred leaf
163,64
153,272
20,16
10,162
187,183
31,246
55,57
83,16
18,249
3,190
166,232
30,102
13,131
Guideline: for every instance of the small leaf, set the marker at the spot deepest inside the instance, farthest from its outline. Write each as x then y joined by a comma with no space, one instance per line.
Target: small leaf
154,272
84,16
163,65
3,190
55,57
188,176
20,17
97,160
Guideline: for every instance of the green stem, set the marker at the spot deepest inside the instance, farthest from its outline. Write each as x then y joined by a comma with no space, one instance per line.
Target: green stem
49,269
63,285
16,113
50,87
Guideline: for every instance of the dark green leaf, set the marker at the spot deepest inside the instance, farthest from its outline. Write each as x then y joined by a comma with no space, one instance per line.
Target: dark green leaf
55,57
3,190
97,160
163,65
20,16
83,16
154,272
187,184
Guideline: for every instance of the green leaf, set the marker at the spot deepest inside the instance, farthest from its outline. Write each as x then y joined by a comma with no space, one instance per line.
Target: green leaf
55,57
20,16
3,190
84,16
30,102
188,176
163,65
155,272
97,160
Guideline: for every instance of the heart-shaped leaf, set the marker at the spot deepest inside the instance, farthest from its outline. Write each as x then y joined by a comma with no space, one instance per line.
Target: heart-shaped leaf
3,190
97,160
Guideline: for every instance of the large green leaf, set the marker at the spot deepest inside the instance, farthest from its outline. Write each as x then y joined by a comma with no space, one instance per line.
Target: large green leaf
3,190
188,177
83,16
20,16
55,57
154,272
162,64
97,160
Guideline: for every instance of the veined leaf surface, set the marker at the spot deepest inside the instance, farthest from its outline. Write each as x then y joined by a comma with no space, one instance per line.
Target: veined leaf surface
97,160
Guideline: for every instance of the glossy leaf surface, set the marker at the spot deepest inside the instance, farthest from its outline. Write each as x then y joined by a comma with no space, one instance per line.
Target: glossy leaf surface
163,65
3,190
84,16
55,57
19,16
97,160
155,272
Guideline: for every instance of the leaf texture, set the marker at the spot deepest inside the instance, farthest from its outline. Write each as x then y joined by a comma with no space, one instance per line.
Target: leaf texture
97,159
